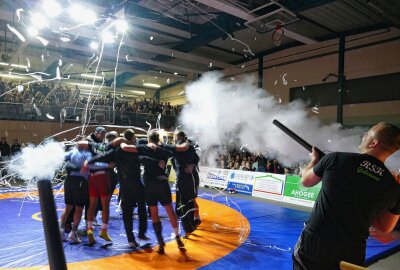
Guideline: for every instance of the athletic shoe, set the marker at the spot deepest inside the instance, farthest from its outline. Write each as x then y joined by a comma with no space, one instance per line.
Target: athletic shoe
181,245
133,244
95,223
161,248
68,228
82,232
90,236
74,238
103,234
197,223
62,234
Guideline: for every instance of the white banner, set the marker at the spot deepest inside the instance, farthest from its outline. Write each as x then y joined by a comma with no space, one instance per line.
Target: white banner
213,177
258,184
269,185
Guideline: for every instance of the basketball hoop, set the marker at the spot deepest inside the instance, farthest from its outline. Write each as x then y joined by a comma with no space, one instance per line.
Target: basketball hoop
277,35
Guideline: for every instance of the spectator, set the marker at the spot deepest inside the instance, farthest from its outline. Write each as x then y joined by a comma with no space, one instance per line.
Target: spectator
254,165
15,148
5,153
222,164
230,165
4,149
242,165
236,166
247,166
261,164
268,167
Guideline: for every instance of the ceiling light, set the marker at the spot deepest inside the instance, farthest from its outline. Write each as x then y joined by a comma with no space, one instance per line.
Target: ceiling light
81,14
138,92
92,76
175,73
39,20
121,26
19,66
4,64
94,45
51,8
107,37
32,31
152,85
87,85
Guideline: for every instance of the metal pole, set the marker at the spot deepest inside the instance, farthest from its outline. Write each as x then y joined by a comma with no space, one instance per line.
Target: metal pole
260,72
55,249
341,80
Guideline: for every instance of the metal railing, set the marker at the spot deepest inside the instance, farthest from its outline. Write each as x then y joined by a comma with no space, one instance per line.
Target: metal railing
33,112
74,114
140,119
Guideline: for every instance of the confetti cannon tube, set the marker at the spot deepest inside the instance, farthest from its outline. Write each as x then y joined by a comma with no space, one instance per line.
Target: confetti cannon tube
55,249
295,137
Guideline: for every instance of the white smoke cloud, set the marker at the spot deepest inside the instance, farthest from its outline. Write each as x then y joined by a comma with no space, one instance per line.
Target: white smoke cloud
240,112
38,162
393,162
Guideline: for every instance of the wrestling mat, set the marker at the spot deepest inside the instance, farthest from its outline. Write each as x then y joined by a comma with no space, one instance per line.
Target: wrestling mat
235,233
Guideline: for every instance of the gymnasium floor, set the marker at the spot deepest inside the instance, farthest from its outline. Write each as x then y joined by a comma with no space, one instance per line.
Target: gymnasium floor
236,232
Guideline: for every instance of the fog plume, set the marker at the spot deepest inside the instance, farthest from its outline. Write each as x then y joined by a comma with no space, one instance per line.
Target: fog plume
241,113
37,162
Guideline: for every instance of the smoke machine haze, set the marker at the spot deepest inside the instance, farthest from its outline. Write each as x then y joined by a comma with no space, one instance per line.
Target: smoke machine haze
238,111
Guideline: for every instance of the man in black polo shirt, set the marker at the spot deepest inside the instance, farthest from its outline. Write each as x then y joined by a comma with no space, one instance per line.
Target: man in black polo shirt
187,183
357,191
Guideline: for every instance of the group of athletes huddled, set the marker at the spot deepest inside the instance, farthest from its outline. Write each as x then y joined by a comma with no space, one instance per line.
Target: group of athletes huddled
102,160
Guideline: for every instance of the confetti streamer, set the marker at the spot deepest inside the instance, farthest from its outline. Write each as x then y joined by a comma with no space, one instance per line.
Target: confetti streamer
18,11
49,116
44,41
16,32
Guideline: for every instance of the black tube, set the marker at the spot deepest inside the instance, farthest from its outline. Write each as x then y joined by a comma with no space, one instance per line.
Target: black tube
295,137
341,81
260,72
55,249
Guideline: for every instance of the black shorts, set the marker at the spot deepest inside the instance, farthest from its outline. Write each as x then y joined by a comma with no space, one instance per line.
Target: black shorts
157,191
313,252
75,190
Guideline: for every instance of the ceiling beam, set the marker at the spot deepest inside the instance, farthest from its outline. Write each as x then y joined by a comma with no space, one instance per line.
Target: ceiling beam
160,27
88,33
166,65
110,55
221,26
121,79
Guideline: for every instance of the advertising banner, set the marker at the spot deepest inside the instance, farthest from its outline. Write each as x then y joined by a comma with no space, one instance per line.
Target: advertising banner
241,181
213,177
296,193
269,185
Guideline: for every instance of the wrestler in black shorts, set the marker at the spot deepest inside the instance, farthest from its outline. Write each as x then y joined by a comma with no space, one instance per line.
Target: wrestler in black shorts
75,190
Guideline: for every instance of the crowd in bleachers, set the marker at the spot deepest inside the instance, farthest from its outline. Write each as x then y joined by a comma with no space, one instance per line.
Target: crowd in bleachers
245,161
50,94
46,94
